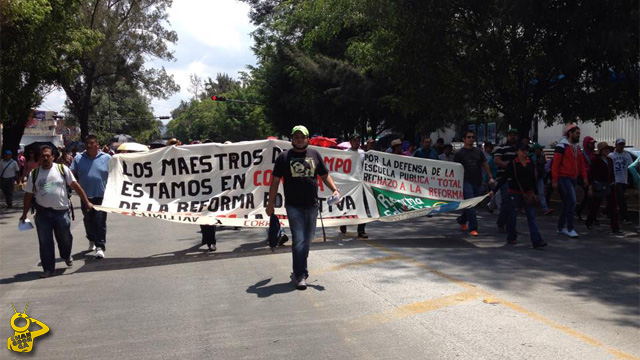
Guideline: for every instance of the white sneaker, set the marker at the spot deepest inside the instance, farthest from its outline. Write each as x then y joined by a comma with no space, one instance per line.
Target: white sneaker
92,246
573,234
99,253
563,232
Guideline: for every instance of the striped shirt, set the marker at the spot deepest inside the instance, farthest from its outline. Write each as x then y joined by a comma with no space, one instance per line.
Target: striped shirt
506,152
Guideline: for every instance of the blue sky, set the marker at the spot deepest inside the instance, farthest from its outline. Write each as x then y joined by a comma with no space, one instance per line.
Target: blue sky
213,37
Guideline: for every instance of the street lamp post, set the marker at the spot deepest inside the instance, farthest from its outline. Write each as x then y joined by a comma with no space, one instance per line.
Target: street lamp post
109,96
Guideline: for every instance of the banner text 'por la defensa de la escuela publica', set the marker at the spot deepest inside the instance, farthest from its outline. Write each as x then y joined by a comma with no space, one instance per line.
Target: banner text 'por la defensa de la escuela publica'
228,184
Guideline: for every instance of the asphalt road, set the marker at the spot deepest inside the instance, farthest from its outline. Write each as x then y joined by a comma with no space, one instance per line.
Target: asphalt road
417,289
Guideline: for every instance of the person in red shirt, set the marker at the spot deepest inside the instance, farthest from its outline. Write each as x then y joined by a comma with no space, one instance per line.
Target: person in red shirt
567,166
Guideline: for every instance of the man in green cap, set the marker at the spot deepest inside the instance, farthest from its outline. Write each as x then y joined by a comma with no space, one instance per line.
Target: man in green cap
502,155
300,167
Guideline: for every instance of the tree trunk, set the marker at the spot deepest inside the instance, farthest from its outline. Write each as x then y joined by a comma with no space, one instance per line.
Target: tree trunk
12,133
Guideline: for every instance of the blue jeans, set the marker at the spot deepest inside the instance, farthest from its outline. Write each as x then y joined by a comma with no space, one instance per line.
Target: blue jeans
48,223
543,199
512,235
567,188
470,191
506,205
302,221
95,224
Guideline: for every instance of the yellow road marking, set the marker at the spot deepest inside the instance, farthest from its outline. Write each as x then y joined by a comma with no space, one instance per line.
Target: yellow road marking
474,293
425,306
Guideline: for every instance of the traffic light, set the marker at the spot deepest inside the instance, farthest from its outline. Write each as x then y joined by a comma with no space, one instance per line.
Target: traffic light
218,98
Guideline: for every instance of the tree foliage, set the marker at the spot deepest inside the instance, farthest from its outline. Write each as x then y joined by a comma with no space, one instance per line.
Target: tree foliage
132,32
119,109
237,120
31,33
417,65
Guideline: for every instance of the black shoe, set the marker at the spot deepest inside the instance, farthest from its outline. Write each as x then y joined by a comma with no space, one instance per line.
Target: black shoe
283,239
512,242
596,222
47,274
10,206
540,245
212,248
363,235
343,229
69,262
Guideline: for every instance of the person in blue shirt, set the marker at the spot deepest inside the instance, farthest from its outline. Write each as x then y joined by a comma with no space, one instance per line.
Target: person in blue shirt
426,151
91,169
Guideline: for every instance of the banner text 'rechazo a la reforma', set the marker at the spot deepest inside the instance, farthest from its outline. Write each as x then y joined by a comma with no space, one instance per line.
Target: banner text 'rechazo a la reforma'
228,184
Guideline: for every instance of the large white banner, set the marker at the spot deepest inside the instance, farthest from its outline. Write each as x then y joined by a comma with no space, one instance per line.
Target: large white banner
224,184
229,184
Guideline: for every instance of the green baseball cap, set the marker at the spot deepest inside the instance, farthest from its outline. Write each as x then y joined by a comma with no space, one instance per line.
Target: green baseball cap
513,131
300,128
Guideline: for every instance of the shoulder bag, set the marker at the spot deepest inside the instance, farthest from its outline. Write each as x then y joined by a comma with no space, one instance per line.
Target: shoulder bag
530,197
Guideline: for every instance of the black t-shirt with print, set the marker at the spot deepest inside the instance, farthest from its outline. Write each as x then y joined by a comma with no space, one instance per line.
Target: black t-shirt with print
472,160
300,171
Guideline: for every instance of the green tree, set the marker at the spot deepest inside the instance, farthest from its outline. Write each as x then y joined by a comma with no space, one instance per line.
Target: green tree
132,31
237,119
432,63
119,109
31,32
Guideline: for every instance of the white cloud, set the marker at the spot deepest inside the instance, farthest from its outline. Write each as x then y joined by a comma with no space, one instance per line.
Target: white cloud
218,24
213,37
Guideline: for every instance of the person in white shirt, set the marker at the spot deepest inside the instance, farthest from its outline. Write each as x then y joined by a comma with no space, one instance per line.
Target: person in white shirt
48,184
621,161
354,139
9,171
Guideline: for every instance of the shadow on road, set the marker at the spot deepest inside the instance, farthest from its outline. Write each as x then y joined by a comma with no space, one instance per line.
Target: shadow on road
29,276
263,291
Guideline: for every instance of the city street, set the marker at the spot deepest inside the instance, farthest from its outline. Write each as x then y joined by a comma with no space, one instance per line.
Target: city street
416,289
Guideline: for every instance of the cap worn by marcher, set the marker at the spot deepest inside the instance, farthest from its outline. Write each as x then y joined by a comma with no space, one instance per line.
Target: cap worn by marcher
538,146
604,144
568,128
396,142
513,131
301,128
354,136
8,152
620,141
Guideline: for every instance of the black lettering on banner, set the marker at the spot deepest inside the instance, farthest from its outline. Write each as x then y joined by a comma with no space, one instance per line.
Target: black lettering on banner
233,160
207,167
220,158
139,170
245,159
277,203
168,163
239,181
257,157
274,154
125,188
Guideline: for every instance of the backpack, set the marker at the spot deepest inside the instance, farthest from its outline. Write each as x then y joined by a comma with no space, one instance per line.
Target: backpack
34,177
